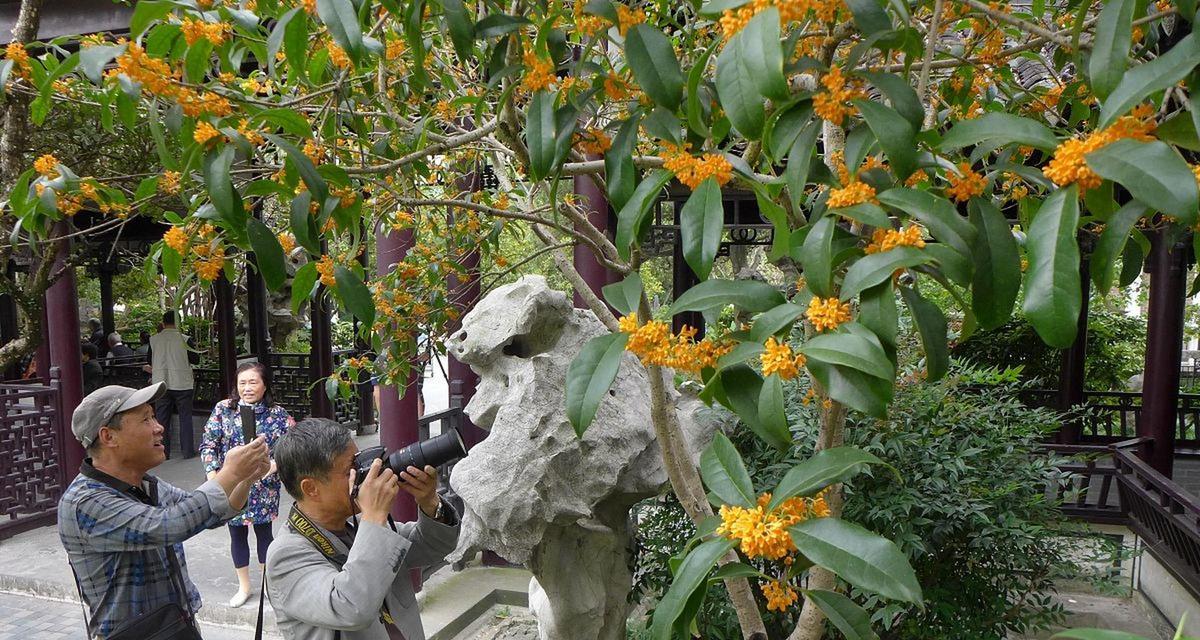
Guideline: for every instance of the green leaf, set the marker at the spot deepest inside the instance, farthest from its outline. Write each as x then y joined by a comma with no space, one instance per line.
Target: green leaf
762,55
741,353
998,129
997,276
691,574
268,254
624,296
1094,634
302,285
784,126
1110,48
877,312
772,417
871,270
701,223
937,214
632,216
289,121
854,388
774,213
498,24
695,106
1131,261
748,295
817,256
146,12
824,468
931,324
869,16
619,171
308,172
221,191
1144,79
1179,130
275,39
590,376
355,294
725,474
539,134
1112,244
171,262
860,557
901,94
341,19
852,620
736,570
799,161
716,7
742,386
895,135
866,213
198,61
1052,286
738,91
302,224
295,46
1153,172
654,65
93,59
851,350
774,321
462,30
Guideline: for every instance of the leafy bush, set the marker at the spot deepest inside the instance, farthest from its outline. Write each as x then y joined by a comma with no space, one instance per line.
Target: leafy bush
970,512
1115,344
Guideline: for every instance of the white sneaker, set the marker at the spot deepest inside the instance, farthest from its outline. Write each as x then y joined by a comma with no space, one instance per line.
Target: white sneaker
239,599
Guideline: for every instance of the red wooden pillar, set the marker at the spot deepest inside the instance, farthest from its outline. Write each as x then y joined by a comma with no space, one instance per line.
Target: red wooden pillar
320,353
366,391
397,407
464,294
596,204
1164,347
1071,375
226,341
62,330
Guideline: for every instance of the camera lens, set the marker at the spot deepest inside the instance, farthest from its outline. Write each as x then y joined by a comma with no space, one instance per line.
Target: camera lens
434,452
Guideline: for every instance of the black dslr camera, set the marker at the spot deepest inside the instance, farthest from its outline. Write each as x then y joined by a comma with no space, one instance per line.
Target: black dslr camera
434,452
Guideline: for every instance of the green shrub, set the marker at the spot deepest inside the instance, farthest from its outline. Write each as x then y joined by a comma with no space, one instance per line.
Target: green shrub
969,510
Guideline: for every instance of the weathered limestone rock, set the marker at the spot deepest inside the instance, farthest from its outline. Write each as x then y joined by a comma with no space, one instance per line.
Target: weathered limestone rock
533,491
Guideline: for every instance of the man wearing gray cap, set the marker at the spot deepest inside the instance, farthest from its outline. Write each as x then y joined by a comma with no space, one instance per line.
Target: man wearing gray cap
123,529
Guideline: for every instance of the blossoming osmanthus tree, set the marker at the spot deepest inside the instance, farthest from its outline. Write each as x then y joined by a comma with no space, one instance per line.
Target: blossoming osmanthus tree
886,142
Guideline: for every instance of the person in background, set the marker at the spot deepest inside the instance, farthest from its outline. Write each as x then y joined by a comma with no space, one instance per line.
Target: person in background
144,347
93,374
168,356
117,348
223,432
123,529
98,338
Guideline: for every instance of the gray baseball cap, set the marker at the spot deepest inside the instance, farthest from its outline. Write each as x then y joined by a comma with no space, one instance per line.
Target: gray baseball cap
99,407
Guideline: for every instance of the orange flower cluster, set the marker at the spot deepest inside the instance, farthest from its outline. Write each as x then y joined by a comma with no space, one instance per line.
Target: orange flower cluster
654,344
287,242
587,25
692,170
177,239
734,20
833,104
46,165
763,534
539,73
780,595
616,88
204,133
325,267
395,49
854,193
827,313
778,359
168,182
197,30
965,184
337,55
157,78
16,52
593,142
627,17
1069,165
208,269
888,239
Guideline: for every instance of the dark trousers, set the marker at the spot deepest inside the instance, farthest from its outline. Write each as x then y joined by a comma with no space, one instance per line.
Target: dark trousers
181,403
239,538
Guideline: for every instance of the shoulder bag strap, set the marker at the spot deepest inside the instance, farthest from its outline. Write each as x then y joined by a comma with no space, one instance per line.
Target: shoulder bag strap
177,582
262,596
87,623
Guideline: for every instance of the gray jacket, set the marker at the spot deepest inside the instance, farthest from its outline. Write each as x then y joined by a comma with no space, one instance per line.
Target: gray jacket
312,598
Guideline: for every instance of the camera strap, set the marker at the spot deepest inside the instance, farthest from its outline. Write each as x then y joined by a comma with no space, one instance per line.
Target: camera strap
300,523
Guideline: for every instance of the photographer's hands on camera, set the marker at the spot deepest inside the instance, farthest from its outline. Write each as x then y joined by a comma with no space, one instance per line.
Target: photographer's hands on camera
379,490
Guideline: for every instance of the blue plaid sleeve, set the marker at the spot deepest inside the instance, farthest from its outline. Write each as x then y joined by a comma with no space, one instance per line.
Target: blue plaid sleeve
110,522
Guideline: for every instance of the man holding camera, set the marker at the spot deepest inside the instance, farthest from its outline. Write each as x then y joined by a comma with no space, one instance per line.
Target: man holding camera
329,577
123,529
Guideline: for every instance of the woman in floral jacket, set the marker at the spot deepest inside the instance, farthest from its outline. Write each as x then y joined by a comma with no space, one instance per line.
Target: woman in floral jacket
223,432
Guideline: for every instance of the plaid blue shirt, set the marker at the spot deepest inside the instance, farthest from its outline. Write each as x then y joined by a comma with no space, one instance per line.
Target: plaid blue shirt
117,537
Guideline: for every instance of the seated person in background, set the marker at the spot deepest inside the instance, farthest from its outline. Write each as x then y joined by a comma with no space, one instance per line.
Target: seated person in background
144,346
117,348
123,529
330,577
93,373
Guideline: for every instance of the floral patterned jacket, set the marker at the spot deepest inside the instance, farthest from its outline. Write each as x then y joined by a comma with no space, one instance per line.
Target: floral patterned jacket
223,431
